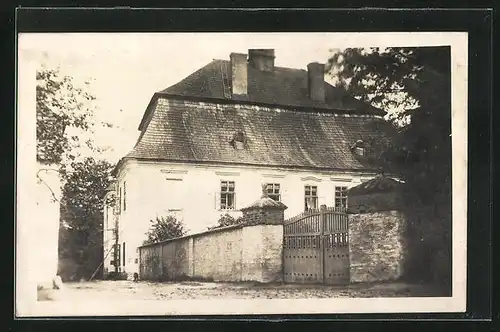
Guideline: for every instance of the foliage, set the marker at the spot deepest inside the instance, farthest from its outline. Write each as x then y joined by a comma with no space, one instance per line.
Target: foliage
390,78
60,104
414,84
82,206
226,220
164,228
65,114
417,82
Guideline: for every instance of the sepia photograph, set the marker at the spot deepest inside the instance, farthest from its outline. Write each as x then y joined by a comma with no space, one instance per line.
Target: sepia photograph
241,173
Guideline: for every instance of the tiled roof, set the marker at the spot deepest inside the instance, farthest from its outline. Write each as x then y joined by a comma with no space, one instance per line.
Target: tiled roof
188,131
379,184
282,86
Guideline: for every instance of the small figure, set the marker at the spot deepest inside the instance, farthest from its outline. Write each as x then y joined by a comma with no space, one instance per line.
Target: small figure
136,277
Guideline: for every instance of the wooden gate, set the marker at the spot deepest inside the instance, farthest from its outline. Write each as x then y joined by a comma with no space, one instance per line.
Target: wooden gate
316,247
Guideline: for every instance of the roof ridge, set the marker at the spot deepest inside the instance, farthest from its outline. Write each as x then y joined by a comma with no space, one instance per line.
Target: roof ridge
279,67
286,87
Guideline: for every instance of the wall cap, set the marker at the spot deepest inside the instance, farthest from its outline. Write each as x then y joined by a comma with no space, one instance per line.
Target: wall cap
187,237
265,203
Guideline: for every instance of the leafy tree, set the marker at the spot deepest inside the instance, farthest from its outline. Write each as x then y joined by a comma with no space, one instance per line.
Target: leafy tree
60,105
414,84
226,220
65,116
82,206
164,228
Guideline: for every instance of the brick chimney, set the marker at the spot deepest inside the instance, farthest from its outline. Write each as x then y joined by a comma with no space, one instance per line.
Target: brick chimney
316,81
239,75
261,59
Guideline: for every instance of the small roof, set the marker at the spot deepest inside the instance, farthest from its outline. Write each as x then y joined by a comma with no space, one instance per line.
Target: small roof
265,202
379,184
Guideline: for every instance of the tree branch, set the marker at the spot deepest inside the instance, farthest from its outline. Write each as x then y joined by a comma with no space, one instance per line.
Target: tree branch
45,183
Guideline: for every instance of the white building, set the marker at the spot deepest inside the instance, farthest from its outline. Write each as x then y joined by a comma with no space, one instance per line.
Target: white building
209,142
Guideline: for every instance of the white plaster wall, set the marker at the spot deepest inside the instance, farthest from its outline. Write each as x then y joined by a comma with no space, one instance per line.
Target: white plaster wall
218,255
154,188
252,252
108,242
45,248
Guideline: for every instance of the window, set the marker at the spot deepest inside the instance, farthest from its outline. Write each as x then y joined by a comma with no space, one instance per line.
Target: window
340,198
227,195
273,191
120,200
238,141
123,253
360,151
358,148
311,198
116,254
125,196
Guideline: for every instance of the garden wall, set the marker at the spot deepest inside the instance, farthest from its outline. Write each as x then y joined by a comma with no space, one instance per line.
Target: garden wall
250,251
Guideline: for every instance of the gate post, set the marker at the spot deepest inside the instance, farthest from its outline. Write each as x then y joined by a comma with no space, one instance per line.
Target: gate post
262,234
377,231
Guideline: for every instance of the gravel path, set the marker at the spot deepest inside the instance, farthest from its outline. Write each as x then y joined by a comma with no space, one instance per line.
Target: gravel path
127,290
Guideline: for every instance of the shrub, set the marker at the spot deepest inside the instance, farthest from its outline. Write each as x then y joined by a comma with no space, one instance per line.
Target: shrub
164,228
226,220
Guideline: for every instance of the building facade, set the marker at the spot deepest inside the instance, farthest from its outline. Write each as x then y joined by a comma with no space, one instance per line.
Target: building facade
209,143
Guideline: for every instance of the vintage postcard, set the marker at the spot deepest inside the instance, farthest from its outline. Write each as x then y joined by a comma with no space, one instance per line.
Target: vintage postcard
241,173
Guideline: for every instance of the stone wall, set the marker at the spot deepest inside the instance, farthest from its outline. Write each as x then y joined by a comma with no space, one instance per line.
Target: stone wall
250,251
217,255
262,254
377,247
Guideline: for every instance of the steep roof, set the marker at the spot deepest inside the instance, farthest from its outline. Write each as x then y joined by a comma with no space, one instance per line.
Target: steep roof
282,86
183,131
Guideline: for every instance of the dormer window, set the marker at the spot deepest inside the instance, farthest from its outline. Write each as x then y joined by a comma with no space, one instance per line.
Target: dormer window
360,151
239,140
358,148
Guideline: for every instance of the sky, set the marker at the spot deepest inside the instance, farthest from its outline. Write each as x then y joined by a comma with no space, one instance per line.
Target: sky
126,69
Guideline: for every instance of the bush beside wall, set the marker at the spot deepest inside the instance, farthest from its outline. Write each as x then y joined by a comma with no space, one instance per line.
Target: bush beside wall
429,248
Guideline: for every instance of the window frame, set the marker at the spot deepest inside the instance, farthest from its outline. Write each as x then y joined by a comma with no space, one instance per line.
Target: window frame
340,193
230,191
273,193
359,150
123,253
117,255
120,205
315,198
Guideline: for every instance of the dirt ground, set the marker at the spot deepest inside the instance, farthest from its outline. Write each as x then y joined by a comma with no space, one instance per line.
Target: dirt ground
128,290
